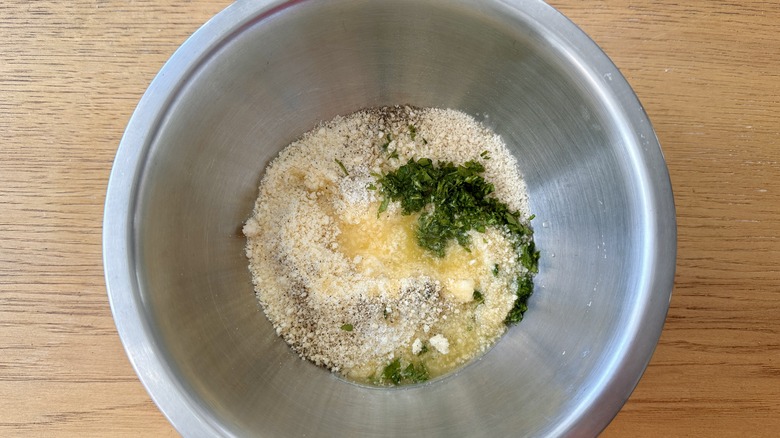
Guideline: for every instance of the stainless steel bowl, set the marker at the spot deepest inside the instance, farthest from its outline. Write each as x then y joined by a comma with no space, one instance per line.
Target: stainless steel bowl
260,74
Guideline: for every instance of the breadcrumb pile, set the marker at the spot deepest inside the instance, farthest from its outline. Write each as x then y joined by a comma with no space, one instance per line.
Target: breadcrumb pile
349,289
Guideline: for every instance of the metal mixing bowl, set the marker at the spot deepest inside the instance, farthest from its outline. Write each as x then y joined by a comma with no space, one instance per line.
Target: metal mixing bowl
259,75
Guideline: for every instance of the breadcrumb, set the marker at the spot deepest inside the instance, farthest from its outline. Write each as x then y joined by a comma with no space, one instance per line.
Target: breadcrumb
346,289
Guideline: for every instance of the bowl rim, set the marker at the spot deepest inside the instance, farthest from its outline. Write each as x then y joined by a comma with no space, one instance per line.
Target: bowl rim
187,414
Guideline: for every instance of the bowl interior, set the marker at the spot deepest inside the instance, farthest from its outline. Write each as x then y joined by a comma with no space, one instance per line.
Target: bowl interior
597,184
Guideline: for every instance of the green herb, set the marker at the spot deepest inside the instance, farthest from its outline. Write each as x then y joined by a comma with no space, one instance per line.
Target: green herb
525,287
395,374
371,187
423,350
383,206
412,131
453,200
529,257
341,165
495,270
416,374
478,297
485,155
392,372
347,327
393,154
460,200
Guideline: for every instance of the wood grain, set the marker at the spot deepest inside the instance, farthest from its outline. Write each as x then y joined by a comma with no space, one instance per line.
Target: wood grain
71,74
707,72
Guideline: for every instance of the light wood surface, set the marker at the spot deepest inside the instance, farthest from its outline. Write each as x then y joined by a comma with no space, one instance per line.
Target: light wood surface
71,74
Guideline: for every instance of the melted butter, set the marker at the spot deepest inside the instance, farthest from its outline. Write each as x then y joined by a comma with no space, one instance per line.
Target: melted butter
386,246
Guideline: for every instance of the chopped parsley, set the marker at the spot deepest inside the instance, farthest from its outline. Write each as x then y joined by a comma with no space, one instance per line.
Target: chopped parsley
383,206
347,327
529,257
341,165
395,374
478,297
525,288
453,200
412,131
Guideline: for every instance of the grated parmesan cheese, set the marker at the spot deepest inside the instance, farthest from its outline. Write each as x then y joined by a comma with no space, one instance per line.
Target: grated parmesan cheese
441,344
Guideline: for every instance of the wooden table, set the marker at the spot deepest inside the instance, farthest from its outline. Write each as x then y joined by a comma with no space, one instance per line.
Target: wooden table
71,74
